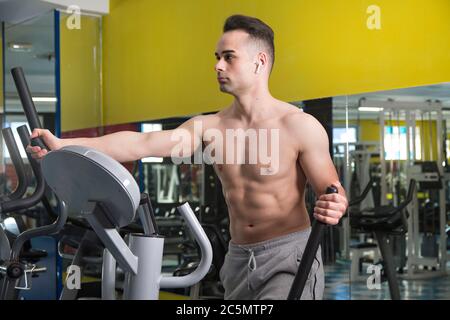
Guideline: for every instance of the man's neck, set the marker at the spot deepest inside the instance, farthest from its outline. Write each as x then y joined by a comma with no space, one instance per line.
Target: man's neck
253,106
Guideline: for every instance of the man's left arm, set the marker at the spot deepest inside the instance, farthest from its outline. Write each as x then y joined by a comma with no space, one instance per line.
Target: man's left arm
315,160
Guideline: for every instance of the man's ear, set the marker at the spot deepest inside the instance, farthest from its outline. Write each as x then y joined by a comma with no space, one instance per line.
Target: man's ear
261,61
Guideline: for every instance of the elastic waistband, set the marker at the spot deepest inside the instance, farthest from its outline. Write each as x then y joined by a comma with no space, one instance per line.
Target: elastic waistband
265,245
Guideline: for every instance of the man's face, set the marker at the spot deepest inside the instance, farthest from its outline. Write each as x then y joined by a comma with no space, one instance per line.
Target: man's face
236,57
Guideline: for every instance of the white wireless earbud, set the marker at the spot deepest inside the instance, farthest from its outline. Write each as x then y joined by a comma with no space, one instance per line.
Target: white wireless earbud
257,68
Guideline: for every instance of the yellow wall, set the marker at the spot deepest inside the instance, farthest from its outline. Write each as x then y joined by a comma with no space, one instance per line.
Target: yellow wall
80,74
158,55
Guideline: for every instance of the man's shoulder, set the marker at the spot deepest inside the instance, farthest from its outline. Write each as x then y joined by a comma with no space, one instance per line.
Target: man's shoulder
305,129
208,117
285,107
294,117
206,121
213,119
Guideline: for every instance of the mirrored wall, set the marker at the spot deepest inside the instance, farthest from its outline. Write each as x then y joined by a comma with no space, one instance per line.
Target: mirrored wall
391,149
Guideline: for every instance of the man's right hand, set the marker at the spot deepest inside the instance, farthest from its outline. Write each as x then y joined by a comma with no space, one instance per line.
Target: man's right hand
48,138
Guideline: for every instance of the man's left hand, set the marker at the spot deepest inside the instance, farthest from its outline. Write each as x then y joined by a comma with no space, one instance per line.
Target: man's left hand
330,208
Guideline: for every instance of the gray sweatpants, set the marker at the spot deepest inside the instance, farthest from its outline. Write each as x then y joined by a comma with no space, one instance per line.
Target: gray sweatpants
266,270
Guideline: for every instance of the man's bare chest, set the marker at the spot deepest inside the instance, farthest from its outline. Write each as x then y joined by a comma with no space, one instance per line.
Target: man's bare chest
261,153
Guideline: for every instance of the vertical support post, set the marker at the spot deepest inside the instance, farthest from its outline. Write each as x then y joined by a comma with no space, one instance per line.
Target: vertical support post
382,161
442,204
108,276
144,285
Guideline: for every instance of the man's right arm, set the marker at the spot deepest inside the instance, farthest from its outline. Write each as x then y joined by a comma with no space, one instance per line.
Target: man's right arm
127,146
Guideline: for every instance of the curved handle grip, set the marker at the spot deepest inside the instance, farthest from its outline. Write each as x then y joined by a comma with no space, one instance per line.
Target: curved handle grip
53,228
205,248
39,192
19,166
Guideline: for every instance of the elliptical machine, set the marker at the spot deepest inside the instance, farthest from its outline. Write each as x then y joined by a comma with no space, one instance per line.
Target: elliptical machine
100,190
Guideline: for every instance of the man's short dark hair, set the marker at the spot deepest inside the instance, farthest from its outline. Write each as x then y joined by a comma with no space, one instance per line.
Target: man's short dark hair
257,30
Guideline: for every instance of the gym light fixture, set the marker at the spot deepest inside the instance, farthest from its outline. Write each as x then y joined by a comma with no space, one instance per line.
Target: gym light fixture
20,46
45,99
370,109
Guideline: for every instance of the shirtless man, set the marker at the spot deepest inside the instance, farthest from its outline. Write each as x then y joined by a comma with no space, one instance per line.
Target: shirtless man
269,224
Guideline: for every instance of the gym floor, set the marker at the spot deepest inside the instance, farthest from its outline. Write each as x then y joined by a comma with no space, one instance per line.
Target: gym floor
339,287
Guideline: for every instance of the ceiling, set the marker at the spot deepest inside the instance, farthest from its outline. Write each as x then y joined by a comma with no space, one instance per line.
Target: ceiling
438,92
16,11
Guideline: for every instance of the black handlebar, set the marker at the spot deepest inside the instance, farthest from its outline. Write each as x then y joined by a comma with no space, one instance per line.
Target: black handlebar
46,230
25,98
363,195
308,256
16,158
28,104
410,194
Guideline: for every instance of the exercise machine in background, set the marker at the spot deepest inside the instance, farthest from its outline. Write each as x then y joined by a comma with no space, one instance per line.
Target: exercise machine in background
410,158
384,222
